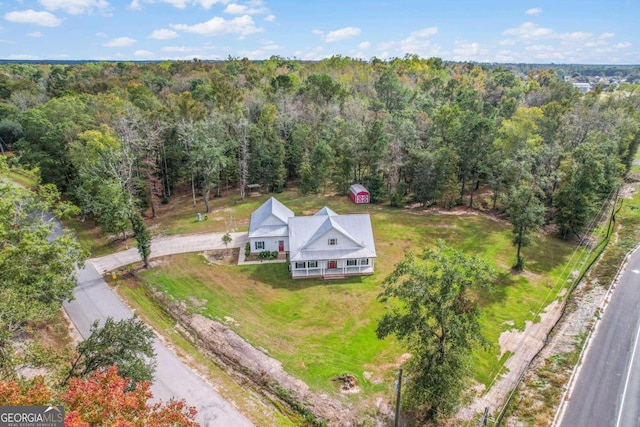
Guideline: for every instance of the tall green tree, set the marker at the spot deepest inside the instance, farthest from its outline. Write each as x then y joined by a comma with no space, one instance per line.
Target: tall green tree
431,311
207,146
100,189
37,269
526,213
391,93
321,159
48,129
143,237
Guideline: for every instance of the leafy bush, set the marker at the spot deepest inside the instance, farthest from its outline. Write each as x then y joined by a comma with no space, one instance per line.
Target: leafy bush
265,255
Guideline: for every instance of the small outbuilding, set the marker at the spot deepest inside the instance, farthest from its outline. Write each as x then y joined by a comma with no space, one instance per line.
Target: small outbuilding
359,194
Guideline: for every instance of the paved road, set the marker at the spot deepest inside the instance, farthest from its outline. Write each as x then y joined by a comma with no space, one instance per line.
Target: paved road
94,300
607,389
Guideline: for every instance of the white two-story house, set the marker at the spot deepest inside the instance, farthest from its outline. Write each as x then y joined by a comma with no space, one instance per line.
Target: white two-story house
324,245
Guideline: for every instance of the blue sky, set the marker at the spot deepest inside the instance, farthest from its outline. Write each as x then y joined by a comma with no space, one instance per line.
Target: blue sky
560,31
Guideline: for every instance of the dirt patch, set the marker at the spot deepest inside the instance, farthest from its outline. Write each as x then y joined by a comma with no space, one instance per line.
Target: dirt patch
417,208
523,345
222,256
253,366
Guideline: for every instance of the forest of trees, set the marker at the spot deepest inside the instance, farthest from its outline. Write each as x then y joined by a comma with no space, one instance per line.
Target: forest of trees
117,138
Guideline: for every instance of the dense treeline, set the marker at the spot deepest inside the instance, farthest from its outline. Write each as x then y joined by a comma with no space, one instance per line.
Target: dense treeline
118,137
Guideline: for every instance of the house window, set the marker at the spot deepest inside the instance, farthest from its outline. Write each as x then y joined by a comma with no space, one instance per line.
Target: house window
352,262
364,261
312,264
259,245
299,265
333,242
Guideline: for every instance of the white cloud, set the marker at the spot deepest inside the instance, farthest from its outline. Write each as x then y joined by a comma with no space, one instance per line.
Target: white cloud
207,51
576,35
535,11
144,54
101,34
22,57
265,50
606,35
464,51
270,45
530,31
312,54
34,34
163,34
622,45
337,35
180,49
385,45
120,42
425,32
364,45
240,9
342,34
270,18
242,25
419,43
180,4
187,49
44,19
74,7
208,3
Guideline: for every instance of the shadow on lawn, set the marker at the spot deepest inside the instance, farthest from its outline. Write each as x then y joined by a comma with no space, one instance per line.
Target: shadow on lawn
498,292
278,277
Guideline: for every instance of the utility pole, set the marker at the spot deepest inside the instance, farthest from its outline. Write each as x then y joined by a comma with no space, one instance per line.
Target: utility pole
612,218
484,421
399,390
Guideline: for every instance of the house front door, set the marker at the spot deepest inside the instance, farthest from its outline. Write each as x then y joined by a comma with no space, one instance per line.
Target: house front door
333,264
280,245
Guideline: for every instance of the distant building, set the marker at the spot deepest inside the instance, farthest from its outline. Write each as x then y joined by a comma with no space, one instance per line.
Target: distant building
583,87
359,194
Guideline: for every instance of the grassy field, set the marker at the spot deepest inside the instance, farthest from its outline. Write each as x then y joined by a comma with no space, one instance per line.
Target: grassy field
321,329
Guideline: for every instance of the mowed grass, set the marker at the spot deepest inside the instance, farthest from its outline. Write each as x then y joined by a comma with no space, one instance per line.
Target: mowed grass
320,329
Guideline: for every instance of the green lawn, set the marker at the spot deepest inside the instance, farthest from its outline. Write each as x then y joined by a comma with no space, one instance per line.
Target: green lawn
319,329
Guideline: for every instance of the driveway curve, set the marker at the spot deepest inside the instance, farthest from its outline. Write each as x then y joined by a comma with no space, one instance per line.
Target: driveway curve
94,300
169,245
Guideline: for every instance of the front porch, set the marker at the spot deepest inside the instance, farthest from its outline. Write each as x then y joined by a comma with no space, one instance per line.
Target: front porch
331,273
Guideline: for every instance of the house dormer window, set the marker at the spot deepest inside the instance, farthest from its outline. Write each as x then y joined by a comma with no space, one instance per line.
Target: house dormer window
333,242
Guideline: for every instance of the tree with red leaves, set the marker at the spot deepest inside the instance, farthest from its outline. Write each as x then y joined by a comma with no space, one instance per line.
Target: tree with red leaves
102,399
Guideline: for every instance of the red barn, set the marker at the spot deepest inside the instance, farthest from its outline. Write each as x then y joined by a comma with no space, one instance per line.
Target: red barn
359,194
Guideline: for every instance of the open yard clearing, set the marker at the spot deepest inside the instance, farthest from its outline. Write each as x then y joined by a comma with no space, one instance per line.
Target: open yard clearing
319,330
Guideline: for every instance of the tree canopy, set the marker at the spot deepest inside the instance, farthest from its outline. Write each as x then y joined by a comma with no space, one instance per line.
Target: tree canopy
431,310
